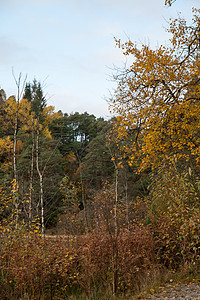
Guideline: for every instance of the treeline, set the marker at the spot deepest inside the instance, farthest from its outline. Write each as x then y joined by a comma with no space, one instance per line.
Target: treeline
62,163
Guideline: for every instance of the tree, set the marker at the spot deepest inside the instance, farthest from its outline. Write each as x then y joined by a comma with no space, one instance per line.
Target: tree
75,131
97,162
158,98
2,107
40,153
19,94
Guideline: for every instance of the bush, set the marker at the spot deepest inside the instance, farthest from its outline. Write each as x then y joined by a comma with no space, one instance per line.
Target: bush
46,268
129,256
34,266
173,209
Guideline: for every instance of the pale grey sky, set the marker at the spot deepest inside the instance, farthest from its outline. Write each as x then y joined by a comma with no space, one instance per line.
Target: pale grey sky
70,44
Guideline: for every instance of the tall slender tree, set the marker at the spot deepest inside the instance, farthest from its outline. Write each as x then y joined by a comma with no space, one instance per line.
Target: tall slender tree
34,93
15,186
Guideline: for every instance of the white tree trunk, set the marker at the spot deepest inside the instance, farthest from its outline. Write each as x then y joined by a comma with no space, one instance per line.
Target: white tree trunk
31,176
41,179
16,187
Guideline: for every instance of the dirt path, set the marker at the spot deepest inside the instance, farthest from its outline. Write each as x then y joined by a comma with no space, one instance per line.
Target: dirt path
178,291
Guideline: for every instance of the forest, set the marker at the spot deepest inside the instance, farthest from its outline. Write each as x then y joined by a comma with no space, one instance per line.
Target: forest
95,208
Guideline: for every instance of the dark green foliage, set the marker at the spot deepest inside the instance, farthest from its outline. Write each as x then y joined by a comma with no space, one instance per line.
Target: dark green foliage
50,162
97,162
34,94
75,131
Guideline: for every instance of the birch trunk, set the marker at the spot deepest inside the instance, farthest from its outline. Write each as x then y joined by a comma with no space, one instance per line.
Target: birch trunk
31,176
16,186
41,179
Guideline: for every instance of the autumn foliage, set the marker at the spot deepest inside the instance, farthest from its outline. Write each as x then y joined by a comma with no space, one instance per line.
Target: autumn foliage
158,98
96,208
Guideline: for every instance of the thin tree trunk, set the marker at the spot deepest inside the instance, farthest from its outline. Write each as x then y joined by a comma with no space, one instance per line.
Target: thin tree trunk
84,203
41,179
126,199
115,242
16,186
31,176
115,238
116,200
82,195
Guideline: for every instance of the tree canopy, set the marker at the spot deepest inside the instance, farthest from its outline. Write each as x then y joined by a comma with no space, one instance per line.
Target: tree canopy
158,97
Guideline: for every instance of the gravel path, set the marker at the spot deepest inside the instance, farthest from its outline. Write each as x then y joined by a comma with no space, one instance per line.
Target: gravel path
178,291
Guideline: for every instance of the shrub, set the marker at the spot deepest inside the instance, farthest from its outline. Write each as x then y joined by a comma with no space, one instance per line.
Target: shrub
130,255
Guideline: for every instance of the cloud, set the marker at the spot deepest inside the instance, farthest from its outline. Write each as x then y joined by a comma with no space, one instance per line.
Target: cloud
72,101
9,50
72,42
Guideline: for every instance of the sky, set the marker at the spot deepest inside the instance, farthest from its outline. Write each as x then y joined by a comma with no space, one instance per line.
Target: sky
68,45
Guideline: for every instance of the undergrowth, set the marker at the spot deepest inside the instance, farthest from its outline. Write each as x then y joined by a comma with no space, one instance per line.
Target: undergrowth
33,267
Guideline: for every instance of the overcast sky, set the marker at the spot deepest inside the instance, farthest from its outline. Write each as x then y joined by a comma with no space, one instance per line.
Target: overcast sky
69,44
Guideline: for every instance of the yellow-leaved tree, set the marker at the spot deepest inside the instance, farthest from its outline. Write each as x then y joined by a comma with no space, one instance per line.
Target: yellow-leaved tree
157,99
